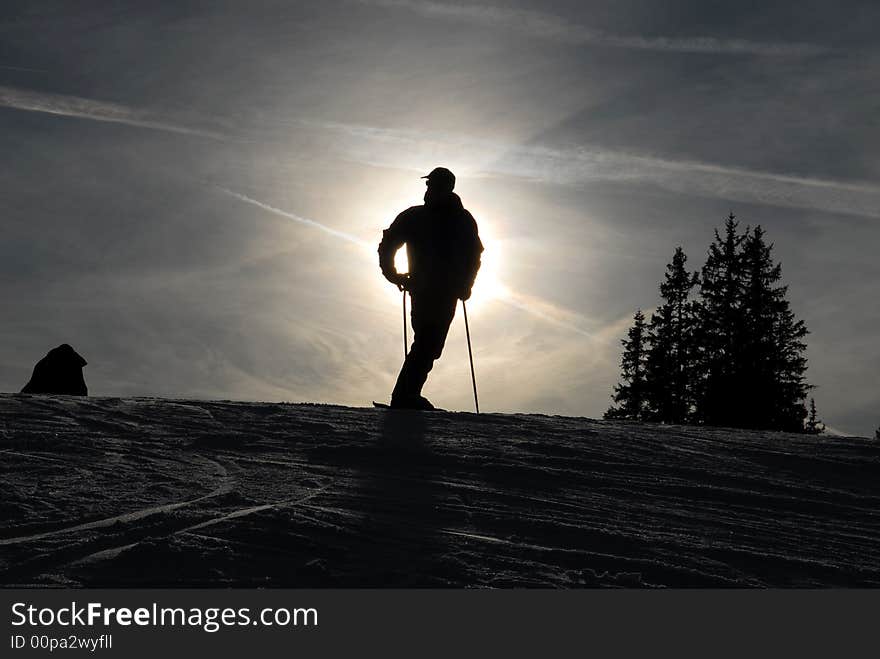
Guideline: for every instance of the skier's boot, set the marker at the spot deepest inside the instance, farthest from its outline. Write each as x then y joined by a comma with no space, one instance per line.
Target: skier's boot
424,403
411,403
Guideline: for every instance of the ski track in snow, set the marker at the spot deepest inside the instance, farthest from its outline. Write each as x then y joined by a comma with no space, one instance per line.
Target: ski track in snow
125,518
115,551
151,492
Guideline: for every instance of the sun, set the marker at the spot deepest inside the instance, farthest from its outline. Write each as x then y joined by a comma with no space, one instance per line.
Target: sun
488,285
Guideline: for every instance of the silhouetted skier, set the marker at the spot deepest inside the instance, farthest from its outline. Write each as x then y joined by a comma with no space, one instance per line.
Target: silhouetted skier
443,248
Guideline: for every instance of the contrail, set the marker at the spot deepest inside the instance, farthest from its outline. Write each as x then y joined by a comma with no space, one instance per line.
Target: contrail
544,310
85,108
547,26
297,218
21,68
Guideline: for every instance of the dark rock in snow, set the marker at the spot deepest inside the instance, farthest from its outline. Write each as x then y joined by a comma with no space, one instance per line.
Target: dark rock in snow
59,372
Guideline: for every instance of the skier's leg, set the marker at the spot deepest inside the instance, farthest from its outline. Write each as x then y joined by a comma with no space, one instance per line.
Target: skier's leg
432,315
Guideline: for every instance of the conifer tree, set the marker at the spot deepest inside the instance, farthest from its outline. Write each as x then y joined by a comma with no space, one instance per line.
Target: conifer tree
719,324
813,426
733,357
772,364
669,367
629,394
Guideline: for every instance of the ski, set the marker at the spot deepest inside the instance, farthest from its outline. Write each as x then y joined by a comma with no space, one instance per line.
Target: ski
386,406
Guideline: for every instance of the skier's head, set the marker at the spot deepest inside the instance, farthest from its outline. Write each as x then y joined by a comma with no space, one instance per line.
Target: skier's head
440,180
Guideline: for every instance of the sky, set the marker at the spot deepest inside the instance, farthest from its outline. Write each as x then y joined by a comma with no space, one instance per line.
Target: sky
194,191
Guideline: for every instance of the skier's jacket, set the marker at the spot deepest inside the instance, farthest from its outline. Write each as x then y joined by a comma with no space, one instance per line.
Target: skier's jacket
442,246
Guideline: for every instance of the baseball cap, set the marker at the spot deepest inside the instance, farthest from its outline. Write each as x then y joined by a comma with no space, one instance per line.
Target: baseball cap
442,177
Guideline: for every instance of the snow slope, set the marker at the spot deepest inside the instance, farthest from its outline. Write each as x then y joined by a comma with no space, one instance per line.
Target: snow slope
150,492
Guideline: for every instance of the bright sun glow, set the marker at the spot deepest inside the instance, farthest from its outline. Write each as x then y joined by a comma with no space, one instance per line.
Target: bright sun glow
488,285
401,262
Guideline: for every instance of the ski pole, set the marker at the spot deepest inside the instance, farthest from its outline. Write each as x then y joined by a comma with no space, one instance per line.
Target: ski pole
405,347
467,332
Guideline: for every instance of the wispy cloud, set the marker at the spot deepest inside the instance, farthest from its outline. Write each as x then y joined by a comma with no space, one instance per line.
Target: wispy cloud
414,150
547,26
85,108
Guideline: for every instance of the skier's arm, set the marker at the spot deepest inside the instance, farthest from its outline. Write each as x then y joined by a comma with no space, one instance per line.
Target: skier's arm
393,238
